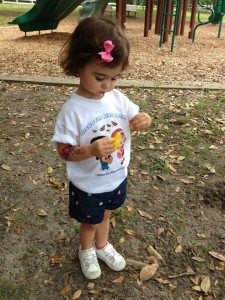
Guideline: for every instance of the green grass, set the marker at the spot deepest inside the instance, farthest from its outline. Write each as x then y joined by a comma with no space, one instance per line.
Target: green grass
11,291
10,11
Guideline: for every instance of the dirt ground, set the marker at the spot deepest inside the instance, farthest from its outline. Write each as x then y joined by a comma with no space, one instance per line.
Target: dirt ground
176,195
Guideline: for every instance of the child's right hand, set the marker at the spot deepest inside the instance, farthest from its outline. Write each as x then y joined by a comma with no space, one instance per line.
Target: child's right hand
103,147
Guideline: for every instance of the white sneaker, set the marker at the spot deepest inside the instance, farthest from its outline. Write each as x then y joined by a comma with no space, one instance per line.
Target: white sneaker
89,263
111,257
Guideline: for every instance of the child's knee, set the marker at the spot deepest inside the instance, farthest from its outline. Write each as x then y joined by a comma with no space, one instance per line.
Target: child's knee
90,227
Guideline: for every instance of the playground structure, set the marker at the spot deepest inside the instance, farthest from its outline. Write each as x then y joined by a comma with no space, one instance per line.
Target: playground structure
45,15
92,7
171,18
217,13
170,15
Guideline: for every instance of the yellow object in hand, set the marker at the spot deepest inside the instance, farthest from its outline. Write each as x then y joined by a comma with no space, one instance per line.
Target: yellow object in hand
116,140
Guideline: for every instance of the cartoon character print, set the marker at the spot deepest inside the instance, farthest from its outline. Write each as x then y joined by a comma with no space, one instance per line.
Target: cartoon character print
105,160
120,150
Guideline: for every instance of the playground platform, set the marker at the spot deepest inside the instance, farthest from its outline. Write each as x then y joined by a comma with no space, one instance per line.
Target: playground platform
62,81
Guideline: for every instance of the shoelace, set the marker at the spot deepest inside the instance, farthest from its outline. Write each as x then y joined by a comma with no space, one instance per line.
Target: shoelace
89,260
111,254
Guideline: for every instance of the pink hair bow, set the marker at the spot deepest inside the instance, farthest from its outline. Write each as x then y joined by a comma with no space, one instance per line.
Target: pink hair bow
105,55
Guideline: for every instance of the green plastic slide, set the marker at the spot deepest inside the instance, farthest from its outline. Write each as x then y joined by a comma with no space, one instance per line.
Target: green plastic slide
45,14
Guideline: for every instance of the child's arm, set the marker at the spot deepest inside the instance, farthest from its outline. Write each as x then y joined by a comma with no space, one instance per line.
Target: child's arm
100,148
141,121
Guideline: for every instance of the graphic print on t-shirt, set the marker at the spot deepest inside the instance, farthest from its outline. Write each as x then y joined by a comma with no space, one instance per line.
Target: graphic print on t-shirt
106,161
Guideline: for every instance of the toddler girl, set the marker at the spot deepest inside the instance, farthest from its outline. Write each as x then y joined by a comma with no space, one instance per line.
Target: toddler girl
92,133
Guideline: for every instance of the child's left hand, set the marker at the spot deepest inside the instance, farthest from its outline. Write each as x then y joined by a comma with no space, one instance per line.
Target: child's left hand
141,121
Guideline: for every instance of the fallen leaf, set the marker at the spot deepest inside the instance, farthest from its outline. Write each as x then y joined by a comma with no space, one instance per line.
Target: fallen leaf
6,168
40,212
55,183
180,158
195,279
119,279
10,218
205,284
50,170
179,239
131,232
177,189
77,295
139,282
217,255
148,272
55,260
198,259
178,249
201,235
171,286
121,241
160,231
197,288
62,235
161,177
172,169
209,297
153,252
155,188
130,207
131,172
212,147
113,222
66,289
145,214
91,286
210,168
220,266
144,172
185,181
190,270
27,135
95,292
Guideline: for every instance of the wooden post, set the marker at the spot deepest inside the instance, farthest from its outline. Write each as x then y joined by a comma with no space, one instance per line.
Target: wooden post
119,7
183,20
151,14
167,21
123,12
159,16
147,17
193,17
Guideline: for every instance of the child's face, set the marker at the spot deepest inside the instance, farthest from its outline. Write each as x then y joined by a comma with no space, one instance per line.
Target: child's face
96,80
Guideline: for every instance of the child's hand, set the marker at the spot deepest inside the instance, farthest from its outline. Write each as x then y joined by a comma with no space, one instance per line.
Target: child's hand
141,121
103,147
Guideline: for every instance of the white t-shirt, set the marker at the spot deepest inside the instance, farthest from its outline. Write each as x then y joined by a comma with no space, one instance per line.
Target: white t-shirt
80,122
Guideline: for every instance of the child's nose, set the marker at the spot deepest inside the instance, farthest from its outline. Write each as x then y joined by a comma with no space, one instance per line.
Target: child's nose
106,85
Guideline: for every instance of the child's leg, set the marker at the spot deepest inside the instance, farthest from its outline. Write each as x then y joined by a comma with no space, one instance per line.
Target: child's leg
104,249
87,235
102,232
87,253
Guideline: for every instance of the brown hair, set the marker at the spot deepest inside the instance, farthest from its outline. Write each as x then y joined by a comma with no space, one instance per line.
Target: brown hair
88,39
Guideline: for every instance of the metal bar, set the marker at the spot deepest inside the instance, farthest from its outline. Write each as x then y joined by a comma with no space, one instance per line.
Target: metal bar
175,24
